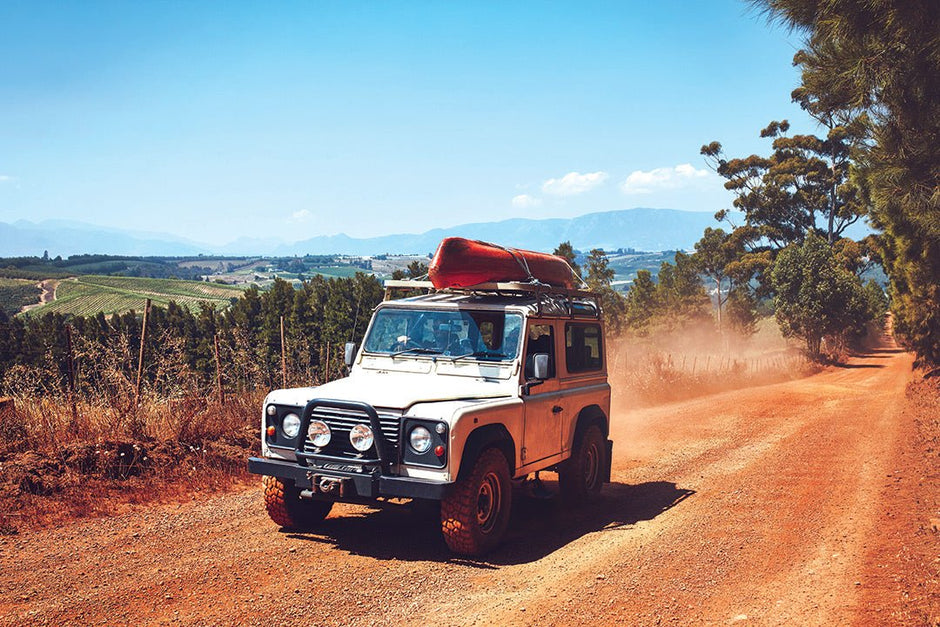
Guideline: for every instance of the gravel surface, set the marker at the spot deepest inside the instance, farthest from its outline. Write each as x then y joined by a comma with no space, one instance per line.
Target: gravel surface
776,505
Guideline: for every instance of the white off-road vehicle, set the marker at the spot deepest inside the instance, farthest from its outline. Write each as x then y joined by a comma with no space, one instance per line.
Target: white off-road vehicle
452,396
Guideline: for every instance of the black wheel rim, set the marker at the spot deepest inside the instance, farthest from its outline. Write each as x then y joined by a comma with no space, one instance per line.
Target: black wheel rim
489,502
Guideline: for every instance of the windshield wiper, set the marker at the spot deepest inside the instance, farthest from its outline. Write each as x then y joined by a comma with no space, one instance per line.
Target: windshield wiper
416,349
484,354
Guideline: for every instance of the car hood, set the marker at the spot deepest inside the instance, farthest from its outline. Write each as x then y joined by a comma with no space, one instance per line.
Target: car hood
395,391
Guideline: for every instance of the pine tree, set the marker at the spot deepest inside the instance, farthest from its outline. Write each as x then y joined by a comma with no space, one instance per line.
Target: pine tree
883,59
566,252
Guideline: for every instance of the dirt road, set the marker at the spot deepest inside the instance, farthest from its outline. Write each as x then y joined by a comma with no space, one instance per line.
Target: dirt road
761,506
48,289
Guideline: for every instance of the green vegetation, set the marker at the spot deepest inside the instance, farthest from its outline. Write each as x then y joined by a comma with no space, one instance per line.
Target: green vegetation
879,62
567,252
797,203
676,300
414,270
40,268
180,340
17,293
815,296
722,258
89,295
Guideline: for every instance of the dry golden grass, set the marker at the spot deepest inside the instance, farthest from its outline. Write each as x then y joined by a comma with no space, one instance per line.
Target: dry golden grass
57,464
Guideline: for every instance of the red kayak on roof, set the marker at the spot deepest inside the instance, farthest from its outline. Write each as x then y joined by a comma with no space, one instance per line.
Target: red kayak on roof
461,262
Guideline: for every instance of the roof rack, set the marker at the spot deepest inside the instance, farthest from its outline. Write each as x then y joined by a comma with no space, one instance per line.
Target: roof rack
513,288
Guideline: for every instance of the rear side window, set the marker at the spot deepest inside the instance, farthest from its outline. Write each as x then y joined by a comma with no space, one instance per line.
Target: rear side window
583,350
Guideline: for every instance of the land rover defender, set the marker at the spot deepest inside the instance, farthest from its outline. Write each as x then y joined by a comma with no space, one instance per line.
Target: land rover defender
452,397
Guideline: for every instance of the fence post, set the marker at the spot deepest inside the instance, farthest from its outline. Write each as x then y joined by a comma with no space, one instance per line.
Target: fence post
326,372
71,372
140,360
218,372
283,357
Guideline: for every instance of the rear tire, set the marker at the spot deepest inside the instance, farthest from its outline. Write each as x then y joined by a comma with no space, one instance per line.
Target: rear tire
580,478
286,509
475,514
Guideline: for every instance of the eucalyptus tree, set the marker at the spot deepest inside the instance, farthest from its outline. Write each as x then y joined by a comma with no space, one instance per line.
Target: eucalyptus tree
599,279
882,59
803,184
729,262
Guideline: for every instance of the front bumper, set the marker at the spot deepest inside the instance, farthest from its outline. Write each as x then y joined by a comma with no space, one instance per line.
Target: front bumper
355,485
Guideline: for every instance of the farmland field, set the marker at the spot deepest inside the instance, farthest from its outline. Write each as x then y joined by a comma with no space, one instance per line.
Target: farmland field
87,295
335,271
17,293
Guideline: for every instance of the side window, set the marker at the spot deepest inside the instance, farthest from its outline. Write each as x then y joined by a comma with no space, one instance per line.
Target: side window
540,339
583,347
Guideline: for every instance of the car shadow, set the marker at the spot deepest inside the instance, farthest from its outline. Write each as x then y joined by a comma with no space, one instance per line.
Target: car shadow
538,526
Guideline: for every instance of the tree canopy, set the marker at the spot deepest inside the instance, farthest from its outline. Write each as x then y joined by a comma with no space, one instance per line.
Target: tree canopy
881,60
815,296
567,252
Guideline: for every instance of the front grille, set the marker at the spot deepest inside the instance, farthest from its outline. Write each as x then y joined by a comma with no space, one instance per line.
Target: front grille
341,421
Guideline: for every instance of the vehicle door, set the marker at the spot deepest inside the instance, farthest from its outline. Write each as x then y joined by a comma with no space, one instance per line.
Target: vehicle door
544,411
582,373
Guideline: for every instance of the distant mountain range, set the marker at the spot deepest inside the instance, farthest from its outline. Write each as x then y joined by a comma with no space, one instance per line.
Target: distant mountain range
640,229
67,238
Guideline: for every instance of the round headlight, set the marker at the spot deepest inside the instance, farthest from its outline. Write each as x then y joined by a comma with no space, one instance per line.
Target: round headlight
291,425
271,410
361,437
420,439
319,433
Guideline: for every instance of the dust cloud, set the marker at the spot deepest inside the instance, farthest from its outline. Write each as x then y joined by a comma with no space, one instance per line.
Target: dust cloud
675,364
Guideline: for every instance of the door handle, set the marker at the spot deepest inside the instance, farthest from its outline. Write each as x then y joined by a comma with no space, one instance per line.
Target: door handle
557,409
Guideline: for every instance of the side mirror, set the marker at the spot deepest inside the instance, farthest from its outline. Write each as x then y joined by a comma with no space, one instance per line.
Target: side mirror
540,366
349,356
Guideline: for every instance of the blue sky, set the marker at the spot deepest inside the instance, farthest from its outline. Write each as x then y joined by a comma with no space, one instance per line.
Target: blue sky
214,121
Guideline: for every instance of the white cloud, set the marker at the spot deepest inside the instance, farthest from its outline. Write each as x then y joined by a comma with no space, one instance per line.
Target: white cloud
573,183
5,179
641,182
303,215
523,201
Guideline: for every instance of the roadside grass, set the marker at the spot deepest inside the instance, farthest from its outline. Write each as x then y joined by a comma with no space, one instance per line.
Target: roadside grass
87,295
56,464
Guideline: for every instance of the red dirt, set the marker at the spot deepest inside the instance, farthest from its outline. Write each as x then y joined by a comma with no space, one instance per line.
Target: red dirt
806,502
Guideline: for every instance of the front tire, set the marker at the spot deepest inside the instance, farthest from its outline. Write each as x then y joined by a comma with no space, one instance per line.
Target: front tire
286,509
475,514
580,478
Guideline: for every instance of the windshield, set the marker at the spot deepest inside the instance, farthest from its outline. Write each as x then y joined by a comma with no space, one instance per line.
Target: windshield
489,335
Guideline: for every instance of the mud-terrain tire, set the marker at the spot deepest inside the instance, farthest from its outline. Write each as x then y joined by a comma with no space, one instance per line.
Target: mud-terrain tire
475,514
286,508
582,475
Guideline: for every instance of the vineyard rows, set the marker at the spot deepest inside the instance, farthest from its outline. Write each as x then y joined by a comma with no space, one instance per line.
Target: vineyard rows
87,295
